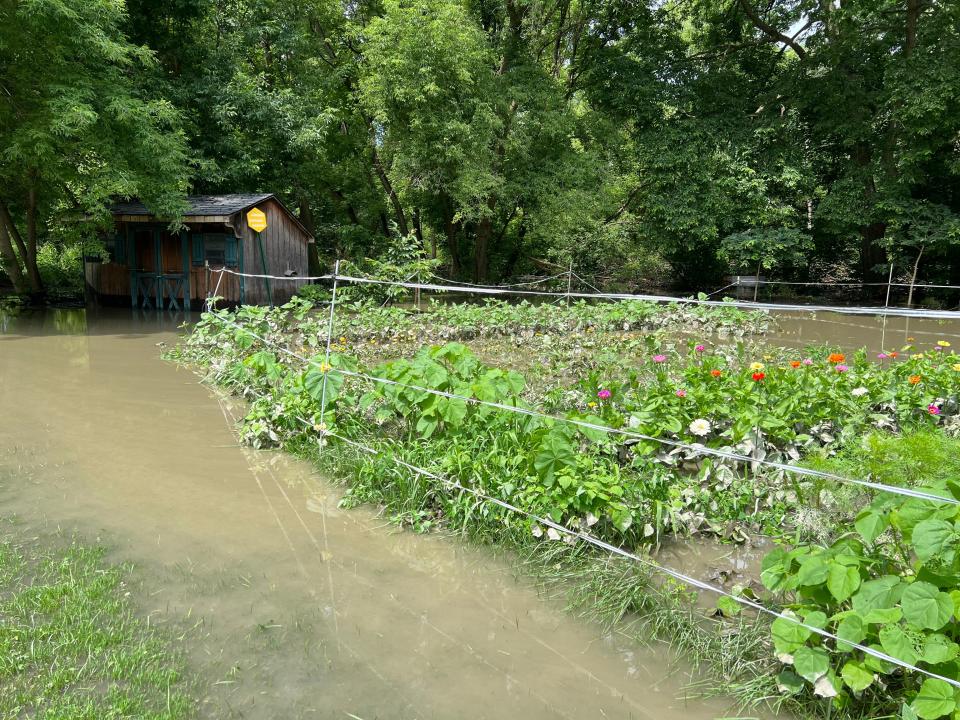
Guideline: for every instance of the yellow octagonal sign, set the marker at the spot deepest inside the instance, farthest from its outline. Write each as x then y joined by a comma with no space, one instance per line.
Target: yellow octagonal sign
257,220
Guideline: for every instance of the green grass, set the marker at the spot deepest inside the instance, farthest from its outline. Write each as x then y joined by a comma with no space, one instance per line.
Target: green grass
71,647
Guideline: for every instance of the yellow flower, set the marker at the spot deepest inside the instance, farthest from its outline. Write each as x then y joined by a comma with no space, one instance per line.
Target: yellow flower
917,356
343,341
591,404
756,366
956,366
768,357
324,367
943,343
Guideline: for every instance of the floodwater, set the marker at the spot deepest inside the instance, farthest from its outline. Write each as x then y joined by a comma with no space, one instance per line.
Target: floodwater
851,332
290,606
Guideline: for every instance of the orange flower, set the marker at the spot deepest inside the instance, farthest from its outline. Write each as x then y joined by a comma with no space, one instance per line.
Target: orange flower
794,363
716,373
914,379
837,358
893,353
758,376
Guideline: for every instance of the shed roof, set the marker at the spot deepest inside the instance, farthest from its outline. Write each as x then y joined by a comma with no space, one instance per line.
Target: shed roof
199,205
208,208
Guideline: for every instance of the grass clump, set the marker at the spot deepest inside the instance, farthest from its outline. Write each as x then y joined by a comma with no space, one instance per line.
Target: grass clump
70,645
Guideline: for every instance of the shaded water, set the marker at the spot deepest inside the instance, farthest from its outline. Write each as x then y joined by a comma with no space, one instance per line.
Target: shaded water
851,332
292,608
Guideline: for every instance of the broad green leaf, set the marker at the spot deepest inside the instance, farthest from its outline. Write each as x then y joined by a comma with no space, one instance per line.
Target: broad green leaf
856,676
931,537
924,605
898,644
811,663
884,592
935,699
788,635
728,606
938,649
789,682
851,628
870,524
882,616
774,569
842,581
813,571
426,426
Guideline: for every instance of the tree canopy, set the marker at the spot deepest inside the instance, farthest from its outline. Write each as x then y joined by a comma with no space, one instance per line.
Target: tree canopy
637,139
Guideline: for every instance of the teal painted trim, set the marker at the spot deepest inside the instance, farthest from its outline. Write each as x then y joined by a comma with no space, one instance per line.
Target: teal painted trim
185,257
230,251
131,264
197,254
242,269
263,263
158,266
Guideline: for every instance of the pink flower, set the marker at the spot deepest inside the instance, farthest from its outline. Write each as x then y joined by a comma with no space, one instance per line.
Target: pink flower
882,356
840,368
938,349
933,409
659,358
681,393
807,361
700,348
604,394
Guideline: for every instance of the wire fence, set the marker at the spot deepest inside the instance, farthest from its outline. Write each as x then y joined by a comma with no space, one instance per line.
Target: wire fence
487,290
578,534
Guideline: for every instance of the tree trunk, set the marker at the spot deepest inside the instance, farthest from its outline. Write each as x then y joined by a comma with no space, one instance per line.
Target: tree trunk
10,262
30,261
417,226
387,185
451,229
481,250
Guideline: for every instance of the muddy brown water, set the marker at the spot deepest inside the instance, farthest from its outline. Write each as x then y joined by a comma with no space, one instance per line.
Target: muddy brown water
290,606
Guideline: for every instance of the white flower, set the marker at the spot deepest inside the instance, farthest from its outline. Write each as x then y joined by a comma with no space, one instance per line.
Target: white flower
700,427
859,392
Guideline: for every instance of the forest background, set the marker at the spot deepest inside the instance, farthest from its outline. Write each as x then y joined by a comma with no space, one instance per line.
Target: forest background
666,143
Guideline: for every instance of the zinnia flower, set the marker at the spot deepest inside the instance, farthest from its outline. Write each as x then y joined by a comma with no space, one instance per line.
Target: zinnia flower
807,361
943,343
914,379
894,354
718,373
756,366
794,363
758,376
659,358
604,394
700,348
859,392
700,427
882,356
956,366
933,409
840,368
938,349
917,356
681,393
836,358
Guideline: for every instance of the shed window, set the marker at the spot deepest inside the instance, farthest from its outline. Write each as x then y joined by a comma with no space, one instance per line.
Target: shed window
220,249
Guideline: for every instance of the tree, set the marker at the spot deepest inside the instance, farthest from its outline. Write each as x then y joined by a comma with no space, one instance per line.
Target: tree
75,128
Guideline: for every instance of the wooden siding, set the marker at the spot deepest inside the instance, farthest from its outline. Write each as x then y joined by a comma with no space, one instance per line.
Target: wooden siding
285,249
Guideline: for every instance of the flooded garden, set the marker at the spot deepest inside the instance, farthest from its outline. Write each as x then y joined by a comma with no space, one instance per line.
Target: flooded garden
414,525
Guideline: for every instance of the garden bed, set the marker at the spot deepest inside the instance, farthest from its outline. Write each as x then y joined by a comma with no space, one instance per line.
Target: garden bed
646,374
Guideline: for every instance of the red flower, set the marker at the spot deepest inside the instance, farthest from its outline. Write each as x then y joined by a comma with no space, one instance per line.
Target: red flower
716,373
758,376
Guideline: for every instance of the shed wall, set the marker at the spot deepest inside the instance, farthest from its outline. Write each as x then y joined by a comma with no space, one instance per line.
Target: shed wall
285,250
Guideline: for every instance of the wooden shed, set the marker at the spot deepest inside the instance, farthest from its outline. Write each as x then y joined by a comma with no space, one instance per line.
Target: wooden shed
157,268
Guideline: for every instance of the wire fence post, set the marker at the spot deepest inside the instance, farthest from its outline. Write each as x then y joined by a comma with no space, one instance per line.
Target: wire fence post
569,280
326,362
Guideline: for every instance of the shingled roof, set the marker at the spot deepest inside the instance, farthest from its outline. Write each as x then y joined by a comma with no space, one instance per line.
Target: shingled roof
200,205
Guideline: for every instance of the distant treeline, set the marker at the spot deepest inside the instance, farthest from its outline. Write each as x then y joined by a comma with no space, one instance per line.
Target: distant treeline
681,139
